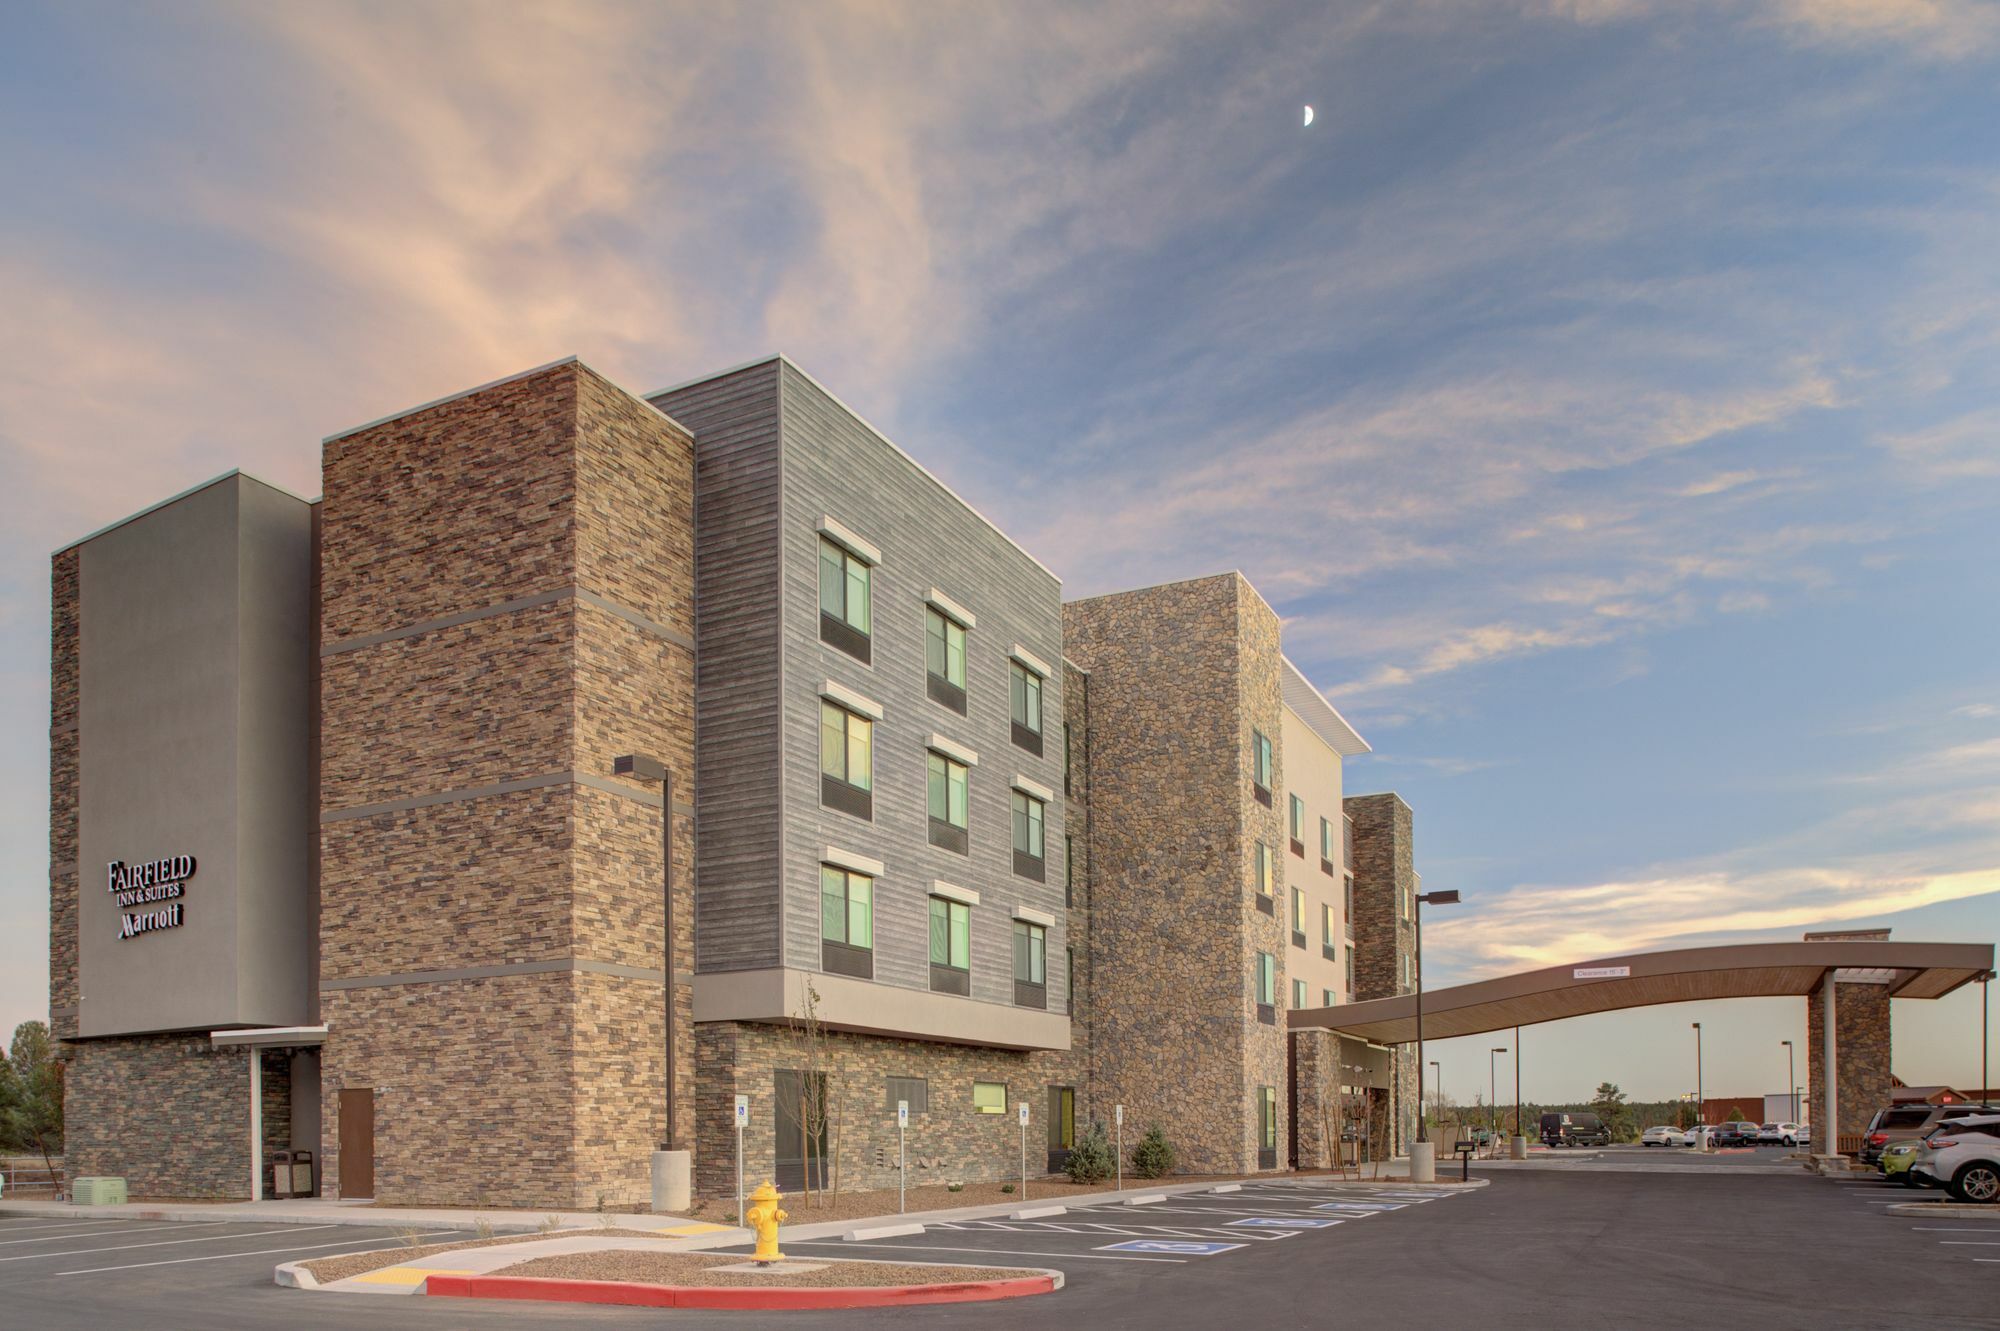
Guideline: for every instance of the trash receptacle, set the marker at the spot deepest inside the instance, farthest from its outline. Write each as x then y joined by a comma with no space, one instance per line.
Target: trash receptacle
281,1174
302,1173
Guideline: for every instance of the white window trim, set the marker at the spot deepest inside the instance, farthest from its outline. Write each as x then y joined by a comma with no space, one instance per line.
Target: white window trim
843,535
1030,787
852,701
1030,660
1029,915
956,752
852,861
953,892
950,609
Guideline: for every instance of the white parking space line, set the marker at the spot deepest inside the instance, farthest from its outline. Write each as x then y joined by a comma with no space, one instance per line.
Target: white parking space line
96,1233
162,1243
1001,1252
37,1226
1953,1229
261,1252
1968,1243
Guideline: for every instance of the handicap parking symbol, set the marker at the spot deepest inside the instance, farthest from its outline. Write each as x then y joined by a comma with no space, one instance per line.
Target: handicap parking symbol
1285,1222
1178,1247
1359,1208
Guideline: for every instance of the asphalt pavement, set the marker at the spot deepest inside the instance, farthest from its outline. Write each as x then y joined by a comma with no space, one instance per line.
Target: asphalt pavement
1541,1249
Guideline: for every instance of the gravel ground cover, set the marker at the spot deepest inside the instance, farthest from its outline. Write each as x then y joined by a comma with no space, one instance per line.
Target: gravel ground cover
326,1270
694,1268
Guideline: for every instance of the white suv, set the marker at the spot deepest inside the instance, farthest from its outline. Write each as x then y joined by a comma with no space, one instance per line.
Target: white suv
1963,1155
1782,1134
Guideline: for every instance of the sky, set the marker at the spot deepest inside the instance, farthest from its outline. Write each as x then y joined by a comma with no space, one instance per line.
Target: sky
1603,391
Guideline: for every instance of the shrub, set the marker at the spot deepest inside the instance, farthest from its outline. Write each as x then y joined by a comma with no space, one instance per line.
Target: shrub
1091,1160
1153,1157
954,1187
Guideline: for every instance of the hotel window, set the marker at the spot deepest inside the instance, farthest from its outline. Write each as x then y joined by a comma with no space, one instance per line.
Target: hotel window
1261,866
846,761
1326,944
844,594
1069,871
846,922
951,946
1261,756
1326,998
1267,1127
1326,845
947,803
914,1090
1066,782
1350,970
1024,698
989,1097
1069,978
1298,827
1298,917
1408,981
1347,898
1267,988
1028,834
944,661
1299,994
1031,981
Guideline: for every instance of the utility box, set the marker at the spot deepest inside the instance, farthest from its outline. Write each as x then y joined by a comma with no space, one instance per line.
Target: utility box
98,1192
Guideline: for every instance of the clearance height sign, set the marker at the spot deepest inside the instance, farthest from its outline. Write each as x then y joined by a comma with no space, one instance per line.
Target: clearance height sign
149,894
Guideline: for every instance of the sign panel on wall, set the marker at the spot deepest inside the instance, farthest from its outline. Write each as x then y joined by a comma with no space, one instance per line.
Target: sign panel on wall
149,894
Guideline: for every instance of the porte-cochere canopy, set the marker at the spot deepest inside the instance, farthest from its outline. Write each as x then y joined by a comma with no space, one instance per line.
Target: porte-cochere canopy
1645,979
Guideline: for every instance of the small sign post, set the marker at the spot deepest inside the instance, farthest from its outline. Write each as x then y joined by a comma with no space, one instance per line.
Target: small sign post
902,1166
1024,1150
742,1121
1118,1119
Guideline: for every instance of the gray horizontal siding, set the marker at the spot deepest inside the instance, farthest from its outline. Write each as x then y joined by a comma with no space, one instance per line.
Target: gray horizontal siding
833,464
738,481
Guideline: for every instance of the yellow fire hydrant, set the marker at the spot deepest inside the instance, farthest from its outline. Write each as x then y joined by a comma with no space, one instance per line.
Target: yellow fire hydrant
764,1215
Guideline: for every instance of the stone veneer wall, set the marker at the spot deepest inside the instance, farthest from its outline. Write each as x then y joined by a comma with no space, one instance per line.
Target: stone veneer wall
469,814
1079,1061
1179,676
1861,1029
189,1137
64,679
951,1142
1384,868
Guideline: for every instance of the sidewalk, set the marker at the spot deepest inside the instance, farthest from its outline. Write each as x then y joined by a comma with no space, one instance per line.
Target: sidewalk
320,1211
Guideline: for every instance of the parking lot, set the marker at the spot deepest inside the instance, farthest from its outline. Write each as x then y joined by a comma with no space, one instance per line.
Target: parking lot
1724,1246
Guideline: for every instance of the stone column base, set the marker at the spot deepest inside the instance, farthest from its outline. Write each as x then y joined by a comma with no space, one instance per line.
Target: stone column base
672,1182
1517,1148
1423,1162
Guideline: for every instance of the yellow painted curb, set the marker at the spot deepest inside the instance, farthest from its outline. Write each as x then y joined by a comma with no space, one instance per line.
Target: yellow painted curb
682,1231
404,1275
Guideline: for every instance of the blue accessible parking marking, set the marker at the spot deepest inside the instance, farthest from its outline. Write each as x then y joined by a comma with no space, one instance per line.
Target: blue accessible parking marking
1359,1208
1175,1246
1285,1222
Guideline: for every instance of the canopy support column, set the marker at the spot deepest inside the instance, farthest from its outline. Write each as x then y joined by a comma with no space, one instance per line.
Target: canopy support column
1829,1060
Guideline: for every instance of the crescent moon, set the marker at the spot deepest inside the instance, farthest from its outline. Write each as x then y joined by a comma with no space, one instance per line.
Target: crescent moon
1309,116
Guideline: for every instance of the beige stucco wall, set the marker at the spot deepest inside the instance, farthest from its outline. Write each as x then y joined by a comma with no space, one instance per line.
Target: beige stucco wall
1312,772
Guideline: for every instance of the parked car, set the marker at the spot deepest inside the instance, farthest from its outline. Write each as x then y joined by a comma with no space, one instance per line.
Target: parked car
1897,1157
1663,1135
1778,1134
1736,1134
1907,1122
1962,1154
1574,1130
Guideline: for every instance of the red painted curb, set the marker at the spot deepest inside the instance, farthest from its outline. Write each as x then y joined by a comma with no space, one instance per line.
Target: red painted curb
730,1296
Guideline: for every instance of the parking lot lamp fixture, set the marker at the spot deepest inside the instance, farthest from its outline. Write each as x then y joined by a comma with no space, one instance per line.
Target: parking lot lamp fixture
1791,1071
1700,1111
1446,898
1493,1096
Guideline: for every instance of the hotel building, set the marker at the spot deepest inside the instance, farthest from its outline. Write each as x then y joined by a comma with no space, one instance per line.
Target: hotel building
372,818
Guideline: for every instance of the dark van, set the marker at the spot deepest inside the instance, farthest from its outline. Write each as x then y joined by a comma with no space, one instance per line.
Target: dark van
1574,1130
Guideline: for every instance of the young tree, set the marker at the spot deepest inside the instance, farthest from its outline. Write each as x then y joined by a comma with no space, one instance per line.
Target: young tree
809,1041
1609,1105
31,1093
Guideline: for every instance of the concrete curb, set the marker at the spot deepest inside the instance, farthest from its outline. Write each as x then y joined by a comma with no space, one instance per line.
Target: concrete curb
293,1275
1956,1210
883,1232
738,1297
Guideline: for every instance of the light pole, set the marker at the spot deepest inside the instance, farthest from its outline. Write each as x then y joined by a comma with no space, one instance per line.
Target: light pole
1791,1071
1517,1081
1423,1161
1700,1107
1492,1096
672,1171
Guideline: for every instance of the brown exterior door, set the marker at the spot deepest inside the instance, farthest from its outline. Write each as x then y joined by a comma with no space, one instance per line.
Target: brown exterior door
357,1142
